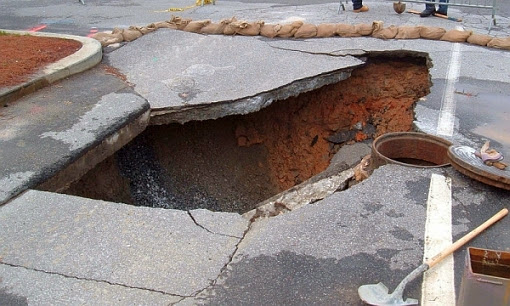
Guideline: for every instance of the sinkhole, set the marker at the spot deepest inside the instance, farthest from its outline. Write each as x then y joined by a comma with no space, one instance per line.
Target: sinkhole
234,163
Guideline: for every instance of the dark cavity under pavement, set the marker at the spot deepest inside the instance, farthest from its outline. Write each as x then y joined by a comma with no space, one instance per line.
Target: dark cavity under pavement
233,163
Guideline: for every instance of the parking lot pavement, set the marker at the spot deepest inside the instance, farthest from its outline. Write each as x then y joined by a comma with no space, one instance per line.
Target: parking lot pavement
66,250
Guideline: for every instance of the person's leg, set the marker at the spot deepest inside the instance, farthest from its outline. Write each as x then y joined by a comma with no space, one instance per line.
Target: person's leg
443,9
429,9
357,6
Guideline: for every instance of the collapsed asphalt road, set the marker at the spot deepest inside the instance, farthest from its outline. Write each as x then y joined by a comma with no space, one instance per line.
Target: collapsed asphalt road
70,250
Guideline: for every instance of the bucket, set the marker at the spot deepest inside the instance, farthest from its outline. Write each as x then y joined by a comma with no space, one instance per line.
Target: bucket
410,149
486,278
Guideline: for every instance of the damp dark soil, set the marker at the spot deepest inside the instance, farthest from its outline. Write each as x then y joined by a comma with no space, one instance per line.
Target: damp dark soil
233,163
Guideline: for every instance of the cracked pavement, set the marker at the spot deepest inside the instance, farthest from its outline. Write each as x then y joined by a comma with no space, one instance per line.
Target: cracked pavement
64,250
115,244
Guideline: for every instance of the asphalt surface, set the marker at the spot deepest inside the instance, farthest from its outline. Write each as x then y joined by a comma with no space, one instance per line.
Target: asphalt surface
63,250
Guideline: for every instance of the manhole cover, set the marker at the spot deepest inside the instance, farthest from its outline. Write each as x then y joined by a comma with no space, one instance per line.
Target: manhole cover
463,159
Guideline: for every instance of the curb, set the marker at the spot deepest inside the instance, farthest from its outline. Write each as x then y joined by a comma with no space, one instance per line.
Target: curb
89,55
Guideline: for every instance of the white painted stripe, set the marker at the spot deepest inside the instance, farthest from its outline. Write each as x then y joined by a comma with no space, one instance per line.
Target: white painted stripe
446,121
438,286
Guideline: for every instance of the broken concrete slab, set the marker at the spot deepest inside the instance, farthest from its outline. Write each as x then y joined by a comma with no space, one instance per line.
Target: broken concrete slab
224,77
316,188
308,255
302,255
341,211
22,286
221,223
44,132
351,154
140,247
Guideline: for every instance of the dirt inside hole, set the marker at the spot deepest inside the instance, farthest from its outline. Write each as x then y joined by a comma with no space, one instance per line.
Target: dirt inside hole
233,163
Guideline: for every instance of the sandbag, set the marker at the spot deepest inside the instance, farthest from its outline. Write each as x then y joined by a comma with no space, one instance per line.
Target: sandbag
247,28
434,33
377,27
500,43
229,29
162,24
364,29
196,26
213,28
326,30
386,33
288,30
117,31
178,23
107,39
346,30
216,28
131,33
269,30
456,35
307,30
149,28
479,39
408,32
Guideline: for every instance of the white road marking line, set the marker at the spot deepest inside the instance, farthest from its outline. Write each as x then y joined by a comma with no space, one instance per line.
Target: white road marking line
438,286
446,121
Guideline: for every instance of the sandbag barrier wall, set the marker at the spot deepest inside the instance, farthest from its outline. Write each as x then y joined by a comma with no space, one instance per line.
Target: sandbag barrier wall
300,29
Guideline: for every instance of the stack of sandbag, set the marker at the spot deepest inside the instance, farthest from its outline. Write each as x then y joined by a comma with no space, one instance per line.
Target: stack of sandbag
196,26
379,31
500,43
178,23
217,28
456,35
300,29
107,39
247,28
326,30
306,30
479,39
288,30
433,33
408,32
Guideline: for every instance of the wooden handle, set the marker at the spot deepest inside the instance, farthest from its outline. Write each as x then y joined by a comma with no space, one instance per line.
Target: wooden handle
446,17
452,248
437,15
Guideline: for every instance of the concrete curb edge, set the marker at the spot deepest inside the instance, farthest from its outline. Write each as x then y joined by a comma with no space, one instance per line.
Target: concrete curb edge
89,55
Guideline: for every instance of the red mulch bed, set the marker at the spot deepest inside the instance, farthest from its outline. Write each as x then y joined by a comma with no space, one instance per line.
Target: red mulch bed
24,55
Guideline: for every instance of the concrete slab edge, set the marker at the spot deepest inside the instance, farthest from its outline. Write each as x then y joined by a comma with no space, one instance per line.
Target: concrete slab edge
107,147
303,194
57,176
89,55
246,105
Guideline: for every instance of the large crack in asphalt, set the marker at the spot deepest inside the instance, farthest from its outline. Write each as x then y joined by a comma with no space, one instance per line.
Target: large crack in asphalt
225,266
91,280
346,175
208,230
335,53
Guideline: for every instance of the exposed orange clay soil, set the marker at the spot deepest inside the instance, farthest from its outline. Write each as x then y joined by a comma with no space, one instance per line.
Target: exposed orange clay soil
24,55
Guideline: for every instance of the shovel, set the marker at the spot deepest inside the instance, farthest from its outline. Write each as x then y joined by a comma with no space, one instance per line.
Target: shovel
377,294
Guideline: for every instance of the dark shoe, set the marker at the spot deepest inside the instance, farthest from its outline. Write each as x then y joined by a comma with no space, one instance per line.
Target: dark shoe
427,12
362,9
